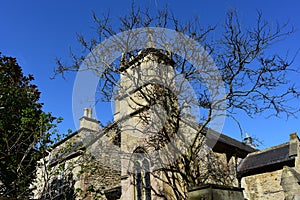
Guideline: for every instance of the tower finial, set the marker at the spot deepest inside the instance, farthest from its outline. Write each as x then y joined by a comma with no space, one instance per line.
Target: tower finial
247,136
248,140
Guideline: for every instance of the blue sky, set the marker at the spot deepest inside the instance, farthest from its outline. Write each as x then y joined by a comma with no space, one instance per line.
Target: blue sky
35,32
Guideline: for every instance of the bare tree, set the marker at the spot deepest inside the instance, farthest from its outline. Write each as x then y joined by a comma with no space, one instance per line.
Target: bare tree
252,80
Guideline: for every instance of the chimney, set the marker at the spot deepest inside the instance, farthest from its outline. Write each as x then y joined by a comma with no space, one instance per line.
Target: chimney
88,112
87,121
294,143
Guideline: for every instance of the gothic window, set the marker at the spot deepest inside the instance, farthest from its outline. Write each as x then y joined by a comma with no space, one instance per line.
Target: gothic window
142,179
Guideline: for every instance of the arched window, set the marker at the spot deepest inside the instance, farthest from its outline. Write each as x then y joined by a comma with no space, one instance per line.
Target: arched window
142,176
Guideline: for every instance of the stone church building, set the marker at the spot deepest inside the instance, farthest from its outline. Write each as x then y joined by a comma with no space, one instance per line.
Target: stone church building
88,163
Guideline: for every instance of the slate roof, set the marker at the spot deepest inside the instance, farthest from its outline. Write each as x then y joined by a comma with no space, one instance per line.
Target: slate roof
270,159
224,144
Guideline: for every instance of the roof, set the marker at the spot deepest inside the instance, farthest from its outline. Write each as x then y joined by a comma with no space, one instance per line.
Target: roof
218,142
221,143
78,146
224,144
270,159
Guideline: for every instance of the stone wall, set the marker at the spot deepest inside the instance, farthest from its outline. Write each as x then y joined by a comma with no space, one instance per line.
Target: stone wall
96,179
290,183
99,167
265,186
85,164
215,192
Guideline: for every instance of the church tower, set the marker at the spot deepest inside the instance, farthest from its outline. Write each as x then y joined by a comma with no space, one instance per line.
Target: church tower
142,110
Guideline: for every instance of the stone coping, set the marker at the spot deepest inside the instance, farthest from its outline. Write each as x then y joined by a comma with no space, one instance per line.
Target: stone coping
215,186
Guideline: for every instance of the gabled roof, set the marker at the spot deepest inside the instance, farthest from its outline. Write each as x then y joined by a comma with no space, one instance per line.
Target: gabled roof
218,142
221,143
224,144
270,159
77,144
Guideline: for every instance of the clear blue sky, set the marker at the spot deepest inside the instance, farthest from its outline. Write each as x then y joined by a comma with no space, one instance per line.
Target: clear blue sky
35,32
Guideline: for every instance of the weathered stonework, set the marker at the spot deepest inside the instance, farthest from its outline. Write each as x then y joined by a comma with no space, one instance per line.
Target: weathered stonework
272,173
80,158
215,192
264,186
94,163
290,182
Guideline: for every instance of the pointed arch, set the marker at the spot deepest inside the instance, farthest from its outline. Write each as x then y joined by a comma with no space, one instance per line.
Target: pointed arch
142,174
